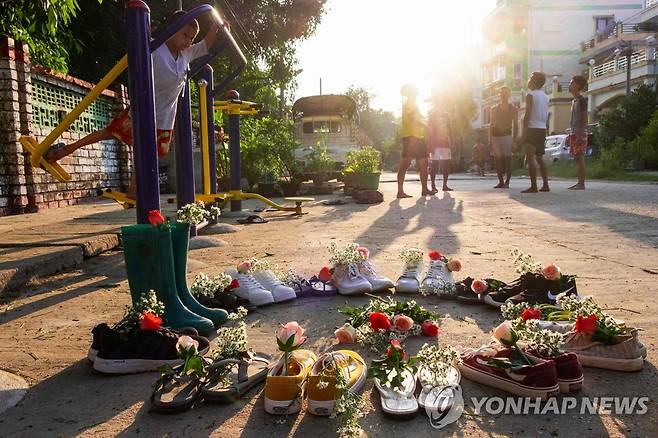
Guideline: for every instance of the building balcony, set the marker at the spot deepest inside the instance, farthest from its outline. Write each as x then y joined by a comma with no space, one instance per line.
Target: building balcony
604,42
650,11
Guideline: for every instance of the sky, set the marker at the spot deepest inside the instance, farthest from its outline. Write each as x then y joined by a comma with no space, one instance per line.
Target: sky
382,44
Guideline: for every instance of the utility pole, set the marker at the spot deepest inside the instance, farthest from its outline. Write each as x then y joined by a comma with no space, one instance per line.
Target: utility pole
626,51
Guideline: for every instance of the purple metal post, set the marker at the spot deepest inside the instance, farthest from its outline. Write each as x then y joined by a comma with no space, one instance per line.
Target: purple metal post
185,193
142,108
207,74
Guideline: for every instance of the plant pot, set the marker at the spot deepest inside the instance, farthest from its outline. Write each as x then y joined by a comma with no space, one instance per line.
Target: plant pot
290,188
266,189
367,181
224,184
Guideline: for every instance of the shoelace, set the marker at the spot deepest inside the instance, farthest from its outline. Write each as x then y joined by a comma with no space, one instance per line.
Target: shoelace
352,272
485,350
249,281
434,270
368,269
410,272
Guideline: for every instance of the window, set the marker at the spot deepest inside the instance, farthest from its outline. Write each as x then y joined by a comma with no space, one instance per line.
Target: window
335,127
321,127
602,24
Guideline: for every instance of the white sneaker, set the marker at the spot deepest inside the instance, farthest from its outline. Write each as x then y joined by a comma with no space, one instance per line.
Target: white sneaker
279,291
250,289
409,281
437,274
349,282
378,282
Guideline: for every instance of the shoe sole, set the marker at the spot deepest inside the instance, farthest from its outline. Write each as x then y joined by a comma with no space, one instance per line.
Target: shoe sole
91,354
285,298
610,364
131,366
488,300
404,290
476,375
263,302
282,407
324,408
569,386
357,291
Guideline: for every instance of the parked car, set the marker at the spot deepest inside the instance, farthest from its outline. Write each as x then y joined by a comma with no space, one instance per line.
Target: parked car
557,149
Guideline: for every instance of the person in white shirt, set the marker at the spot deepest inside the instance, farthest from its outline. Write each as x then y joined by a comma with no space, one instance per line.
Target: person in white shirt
170,64
534,131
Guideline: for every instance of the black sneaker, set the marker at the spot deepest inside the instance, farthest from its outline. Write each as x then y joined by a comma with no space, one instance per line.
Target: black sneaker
499,297
143,351
542,291
465,294
102,334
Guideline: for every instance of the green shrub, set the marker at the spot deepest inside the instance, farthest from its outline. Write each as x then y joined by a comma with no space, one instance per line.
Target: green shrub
646,145
319,161
365,160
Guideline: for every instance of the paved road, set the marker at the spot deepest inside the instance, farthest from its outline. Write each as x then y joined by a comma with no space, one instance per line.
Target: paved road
607,235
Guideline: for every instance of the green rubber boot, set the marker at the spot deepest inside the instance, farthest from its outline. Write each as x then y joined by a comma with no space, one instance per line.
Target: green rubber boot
148,252
180,236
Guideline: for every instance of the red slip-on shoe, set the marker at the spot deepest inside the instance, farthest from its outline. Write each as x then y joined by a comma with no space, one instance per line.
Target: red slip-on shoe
503,368
569,371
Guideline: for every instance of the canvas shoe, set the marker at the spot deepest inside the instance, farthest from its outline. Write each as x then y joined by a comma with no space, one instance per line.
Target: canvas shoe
569,371
321,401
409,280
143,351
250,289
280,292
349,281
538,380
284,393
544,292
438,274
378,282
623,356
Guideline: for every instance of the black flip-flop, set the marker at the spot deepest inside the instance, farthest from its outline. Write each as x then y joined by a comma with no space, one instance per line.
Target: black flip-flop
253,219
334,202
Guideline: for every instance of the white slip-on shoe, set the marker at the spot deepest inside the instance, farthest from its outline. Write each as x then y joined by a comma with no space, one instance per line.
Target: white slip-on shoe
280,292
409,281
250,289
349,281
378,282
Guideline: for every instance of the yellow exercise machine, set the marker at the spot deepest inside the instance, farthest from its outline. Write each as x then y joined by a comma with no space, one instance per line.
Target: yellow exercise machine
236,108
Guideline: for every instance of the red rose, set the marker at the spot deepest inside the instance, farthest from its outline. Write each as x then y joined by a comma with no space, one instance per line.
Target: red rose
586,325
429,328
150,322
324,274
155,218
435,255
395,345
234,284
530,313
378,321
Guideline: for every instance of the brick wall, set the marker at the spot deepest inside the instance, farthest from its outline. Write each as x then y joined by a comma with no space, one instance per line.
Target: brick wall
32,101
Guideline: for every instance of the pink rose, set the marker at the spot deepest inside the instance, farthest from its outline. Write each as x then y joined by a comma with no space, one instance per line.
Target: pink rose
402,322
454,265
365,252
505,334
345,334
291,329
479,286
551,272
244,267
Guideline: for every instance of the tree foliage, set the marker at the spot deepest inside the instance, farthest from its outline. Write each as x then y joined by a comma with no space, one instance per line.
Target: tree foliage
376,126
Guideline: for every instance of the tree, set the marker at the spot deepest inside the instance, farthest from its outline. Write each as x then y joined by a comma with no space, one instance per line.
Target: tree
375,125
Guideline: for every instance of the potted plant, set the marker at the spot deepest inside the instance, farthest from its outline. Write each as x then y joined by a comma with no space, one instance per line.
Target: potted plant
319,164
365,164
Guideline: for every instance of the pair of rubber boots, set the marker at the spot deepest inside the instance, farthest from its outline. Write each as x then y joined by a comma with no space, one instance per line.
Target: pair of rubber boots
156,258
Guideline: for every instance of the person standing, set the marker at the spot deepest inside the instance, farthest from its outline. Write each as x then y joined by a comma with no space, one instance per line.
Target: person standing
438,140
413,141
479,156
534,131
503,130
578,137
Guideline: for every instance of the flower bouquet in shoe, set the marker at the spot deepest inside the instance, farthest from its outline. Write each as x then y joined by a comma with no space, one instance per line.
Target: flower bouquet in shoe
264,273
369,272
395,379
195,213
439,378
296,281
139,343
537,284
384,319
216,292
346,274
409,280
286,380
322,285
439,280
504,365
547,316
473,290
248,287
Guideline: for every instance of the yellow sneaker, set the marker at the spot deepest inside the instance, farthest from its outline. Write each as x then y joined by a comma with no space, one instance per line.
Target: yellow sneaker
322,395
283,394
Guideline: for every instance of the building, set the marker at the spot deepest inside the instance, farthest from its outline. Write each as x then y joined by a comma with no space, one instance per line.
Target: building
522,36
606,55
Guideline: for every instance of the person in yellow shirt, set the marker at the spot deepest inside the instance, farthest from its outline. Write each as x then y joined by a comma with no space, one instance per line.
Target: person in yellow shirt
413,141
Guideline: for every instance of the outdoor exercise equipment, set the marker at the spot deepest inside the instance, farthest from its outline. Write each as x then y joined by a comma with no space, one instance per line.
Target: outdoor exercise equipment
117,196
235,108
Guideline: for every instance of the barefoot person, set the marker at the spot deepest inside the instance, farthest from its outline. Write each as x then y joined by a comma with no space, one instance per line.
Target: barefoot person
438,140
413,141
479,156
534,131
502,134
578,137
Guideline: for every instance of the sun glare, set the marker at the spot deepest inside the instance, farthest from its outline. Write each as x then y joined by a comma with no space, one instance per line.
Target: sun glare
381,45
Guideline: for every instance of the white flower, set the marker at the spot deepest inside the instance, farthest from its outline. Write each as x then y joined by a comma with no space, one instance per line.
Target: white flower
186,343
346,255
411,256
